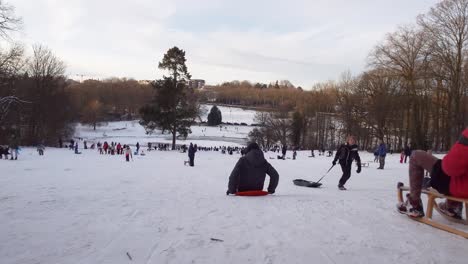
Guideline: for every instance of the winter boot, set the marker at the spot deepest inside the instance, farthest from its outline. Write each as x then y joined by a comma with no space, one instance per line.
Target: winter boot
451,209
411,208
402,207
342,188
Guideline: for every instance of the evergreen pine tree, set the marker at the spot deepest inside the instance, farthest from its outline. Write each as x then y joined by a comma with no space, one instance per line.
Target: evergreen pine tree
174,106
215,117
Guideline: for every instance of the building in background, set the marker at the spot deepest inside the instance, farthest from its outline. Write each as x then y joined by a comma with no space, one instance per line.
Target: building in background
196,83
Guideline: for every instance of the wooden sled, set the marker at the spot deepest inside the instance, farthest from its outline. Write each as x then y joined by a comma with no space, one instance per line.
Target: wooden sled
432,195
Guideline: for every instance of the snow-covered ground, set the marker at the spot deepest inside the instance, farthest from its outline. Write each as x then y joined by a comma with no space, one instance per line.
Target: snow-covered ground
91,208
231,114
131,132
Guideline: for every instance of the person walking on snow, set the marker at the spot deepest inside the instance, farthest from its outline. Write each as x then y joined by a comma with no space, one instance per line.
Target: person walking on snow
128,154
119,149
408,151
191,154
449,176
14,147
382,150
137,147
250,172
346,154
284,149
40,149
76,148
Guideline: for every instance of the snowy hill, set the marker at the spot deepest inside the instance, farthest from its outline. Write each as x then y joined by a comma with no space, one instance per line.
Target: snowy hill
231,114
91,208
131,132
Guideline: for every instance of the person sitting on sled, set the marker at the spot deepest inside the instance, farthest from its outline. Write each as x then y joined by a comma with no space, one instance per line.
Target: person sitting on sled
449,176
346,154
250,172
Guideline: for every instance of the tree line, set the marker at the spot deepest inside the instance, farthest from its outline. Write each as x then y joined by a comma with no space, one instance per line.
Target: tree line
415,90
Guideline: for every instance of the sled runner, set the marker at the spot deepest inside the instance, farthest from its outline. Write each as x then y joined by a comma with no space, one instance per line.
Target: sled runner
252,193
432,195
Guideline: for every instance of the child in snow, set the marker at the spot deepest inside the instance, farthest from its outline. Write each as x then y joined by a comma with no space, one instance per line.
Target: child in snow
76,149
250,171
346,154
449,176
408,151
14,147
40,149
382,152
128,154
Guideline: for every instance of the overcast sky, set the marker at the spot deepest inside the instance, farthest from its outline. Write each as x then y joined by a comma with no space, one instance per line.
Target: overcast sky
303,41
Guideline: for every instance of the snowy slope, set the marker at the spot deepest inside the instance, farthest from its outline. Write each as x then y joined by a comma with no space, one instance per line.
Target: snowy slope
66,208
131,132
231,114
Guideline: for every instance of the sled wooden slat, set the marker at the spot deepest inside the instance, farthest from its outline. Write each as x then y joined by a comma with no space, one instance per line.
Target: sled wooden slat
466,212
432,195
429,221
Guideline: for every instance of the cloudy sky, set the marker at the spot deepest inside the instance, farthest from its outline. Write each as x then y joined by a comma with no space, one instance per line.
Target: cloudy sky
304,41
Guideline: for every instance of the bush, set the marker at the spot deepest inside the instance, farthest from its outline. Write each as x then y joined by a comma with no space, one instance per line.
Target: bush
215,116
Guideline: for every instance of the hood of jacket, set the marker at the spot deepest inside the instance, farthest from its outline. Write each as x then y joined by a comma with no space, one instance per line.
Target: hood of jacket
255,157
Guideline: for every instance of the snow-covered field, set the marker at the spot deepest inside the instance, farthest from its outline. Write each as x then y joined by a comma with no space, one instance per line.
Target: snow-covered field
91,208
131,132
231,114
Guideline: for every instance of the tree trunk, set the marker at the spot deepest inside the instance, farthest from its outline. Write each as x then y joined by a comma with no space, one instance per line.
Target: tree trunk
174,133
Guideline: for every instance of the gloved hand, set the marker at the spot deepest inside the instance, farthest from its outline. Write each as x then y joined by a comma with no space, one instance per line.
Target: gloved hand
334,162
358,170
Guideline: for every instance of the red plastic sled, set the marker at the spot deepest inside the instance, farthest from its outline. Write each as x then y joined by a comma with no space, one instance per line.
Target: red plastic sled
252,193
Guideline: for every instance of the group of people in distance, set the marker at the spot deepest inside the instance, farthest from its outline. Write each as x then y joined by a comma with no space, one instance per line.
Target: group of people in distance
449,175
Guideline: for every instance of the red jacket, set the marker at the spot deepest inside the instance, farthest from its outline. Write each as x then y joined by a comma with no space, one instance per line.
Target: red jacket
455,165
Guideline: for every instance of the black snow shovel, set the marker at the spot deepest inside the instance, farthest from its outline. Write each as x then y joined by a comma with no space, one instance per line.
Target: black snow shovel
304,183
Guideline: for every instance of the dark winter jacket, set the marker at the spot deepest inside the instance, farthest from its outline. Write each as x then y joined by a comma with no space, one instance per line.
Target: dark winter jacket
407,151
191,151
346,154
455,165
249,173
382,150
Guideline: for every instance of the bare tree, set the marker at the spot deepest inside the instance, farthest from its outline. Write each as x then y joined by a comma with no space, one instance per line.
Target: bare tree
404,55
447,25
8,21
